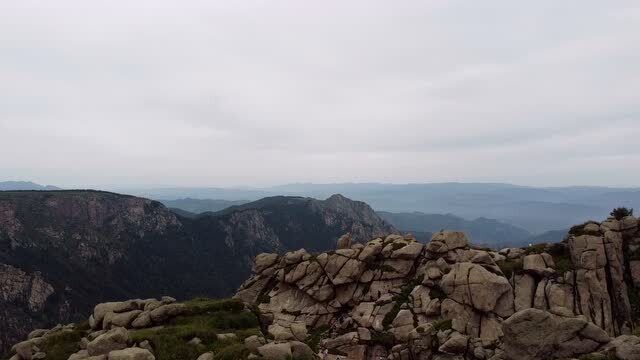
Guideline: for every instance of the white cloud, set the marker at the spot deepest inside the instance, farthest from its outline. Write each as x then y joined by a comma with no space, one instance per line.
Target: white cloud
259,92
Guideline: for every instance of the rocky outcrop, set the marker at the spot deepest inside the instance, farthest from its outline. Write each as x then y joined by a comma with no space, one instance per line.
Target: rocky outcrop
106,337
396,298
63,251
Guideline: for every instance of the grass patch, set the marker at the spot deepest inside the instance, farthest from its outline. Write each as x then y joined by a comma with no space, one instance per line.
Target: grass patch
204,319
232,351
61,345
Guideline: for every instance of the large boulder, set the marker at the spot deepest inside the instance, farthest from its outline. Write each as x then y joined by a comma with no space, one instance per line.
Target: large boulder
275,351
263,261
625,347
100,310
444,241
532,334
165,312
114,339
133,353
471,284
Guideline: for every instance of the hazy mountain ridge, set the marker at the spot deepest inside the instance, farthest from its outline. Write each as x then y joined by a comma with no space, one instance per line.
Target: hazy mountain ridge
62,251
24,185
481,231
535,209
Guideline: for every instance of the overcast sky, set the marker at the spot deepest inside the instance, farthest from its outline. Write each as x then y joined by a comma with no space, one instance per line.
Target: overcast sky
226,93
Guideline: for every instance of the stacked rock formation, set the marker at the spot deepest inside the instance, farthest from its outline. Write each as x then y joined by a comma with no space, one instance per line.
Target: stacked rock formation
395,298
107,337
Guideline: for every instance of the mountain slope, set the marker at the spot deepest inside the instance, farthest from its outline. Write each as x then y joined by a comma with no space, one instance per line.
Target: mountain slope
61,251
481,231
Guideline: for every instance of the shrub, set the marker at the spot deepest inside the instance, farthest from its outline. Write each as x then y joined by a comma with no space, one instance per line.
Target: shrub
383,338
442,325
621,212
403,297
202,305
436,292
535,249
61,345
233,351
578,230
510,267
168,347
313,339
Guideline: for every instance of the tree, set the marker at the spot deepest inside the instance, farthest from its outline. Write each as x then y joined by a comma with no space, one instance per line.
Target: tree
621,212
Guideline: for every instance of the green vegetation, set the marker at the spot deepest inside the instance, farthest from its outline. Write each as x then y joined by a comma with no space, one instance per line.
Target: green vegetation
579,230
621,212
383,338
561,257
59,346
442,325
634,301
510,267
535,249
313,339
373,265
400,298
205,318
437,293
563,264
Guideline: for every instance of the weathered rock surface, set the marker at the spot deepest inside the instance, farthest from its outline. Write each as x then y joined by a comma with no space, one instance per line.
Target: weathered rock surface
395,298
536,334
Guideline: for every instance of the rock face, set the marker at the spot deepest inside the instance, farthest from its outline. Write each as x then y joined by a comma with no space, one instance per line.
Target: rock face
63,251
536,334
396,298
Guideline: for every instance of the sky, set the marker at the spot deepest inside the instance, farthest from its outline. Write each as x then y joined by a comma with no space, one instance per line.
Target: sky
234,93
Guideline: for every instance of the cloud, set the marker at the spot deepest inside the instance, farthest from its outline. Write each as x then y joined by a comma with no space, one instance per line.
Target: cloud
257,92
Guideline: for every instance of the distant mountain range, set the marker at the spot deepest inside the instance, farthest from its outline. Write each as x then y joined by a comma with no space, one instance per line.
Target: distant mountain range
481,231
63,251
24,185
535,209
